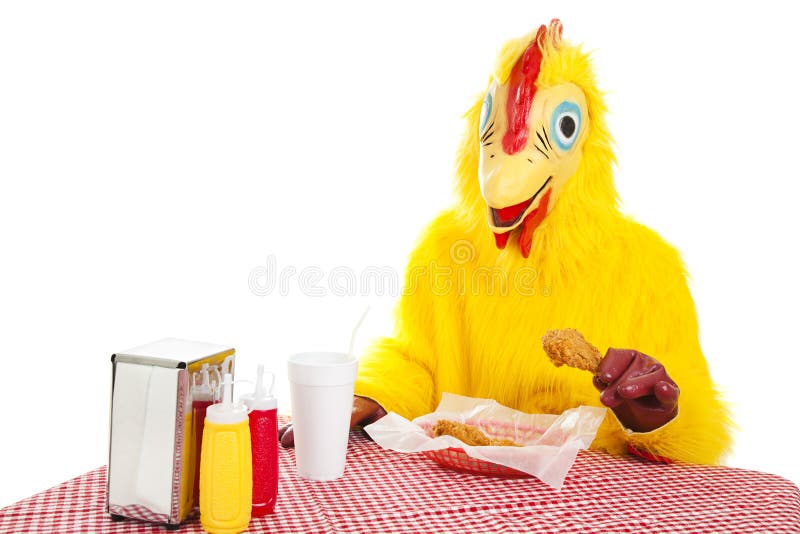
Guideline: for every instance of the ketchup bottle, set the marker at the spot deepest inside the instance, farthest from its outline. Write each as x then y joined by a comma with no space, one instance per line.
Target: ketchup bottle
202,398
264,437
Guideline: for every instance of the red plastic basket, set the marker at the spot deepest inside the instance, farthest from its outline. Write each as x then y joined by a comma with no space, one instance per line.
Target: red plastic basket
456,458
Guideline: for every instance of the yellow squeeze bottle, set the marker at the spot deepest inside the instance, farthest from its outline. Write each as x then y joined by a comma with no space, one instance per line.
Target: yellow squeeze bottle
226,466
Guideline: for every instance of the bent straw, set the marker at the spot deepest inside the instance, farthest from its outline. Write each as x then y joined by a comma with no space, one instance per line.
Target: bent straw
355,331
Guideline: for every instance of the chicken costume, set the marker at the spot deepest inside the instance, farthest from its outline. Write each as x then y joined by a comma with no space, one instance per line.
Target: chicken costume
536,242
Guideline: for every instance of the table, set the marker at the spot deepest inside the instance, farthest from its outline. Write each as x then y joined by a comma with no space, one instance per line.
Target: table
384,491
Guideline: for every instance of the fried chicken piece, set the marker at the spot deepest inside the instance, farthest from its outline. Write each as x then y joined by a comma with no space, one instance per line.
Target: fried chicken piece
503,443
469,434
568,347
466,433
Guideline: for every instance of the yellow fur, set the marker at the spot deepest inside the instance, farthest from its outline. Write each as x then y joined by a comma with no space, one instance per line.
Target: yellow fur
471,316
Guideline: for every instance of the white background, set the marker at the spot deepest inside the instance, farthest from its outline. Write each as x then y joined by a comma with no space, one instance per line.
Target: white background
153,154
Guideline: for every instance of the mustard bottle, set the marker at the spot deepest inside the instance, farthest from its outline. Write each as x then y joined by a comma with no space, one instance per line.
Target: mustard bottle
226,468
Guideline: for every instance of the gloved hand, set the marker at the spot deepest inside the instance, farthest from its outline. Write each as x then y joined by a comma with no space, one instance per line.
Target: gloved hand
637,388
365,411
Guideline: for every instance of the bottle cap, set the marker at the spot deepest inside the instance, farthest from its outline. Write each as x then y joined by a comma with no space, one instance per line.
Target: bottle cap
227,365
261,398
201,385
226,412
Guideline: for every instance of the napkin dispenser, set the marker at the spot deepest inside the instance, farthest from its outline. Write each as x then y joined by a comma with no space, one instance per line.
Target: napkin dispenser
152,446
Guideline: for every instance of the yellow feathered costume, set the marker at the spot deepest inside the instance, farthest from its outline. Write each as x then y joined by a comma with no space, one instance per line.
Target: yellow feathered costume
471,315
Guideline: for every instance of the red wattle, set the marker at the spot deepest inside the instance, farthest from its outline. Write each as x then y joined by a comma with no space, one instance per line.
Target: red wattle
531,222
501,239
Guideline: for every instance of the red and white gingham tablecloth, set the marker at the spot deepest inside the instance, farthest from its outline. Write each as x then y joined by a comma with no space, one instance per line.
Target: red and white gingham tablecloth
385,491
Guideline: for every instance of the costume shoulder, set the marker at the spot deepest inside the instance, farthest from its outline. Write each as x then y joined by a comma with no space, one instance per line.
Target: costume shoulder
646,258
439,240
641,286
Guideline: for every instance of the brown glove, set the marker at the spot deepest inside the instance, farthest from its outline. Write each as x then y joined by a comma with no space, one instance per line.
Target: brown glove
365,412
637,388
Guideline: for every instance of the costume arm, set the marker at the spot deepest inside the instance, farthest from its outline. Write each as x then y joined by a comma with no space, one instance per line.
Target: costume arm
398,372
668,331
399,383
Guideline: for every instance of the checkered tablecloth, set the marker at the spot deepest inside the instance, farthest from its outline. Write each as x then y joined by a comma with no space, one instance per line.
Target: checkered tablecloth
384,491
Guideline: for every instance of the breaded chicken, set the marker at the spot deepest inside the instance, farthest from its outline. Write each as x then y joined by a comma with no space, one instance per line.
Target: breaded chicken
568,347
469,434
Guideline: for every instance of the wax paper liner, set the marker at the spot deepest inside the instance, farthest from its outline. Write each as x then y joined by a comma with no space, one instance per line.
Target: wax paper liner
550,442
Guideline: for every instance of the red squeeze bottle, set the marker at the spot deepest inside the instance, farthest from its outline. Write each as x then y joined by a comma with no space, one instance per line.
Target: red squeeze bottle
202,398
264,439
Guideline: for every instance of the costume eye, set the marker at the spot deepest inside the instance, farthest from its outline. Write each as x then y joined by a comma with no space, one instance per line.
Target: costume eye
565,124
486,111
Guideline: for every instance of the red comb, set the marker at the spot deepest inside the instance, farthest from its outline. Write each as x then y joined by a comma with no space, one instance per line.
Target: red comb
522,88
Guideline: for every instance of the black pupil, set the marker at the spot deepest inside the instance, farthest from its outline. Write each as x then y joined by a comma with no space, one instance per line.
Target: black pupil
567,126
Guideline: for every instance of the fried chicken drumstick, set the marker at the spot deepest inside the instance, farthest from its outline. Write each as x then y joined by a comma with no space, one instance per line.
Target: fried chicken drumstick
469,434
568,347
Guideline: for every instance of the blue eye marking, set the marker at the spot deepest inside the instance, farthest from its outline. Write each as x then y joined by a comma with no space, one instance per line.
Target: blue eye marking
565,124
486,111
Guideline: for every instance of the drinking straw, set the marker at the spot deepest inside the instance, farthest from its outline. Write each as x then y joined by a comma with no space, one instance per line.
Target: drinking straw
355,331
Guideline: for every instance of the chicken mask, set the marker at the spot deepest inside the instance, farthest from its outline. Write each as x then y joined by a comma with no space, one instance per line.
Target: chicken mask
531,143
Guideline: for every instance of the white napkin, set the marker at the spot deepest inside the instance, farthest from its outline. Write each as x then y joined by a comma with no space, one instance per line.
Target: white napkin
550,442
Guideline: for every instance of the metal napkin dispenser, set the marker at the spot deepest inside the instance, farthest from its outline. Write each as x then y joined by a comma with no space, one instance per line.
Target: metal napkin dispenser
153,449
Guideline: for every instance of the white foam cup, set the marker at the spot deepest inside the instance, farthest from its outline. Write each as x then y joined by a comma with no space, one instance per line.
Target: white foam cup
322,401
